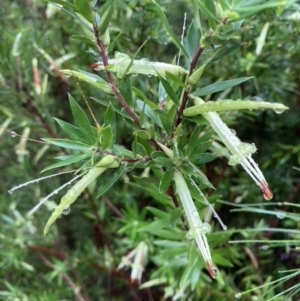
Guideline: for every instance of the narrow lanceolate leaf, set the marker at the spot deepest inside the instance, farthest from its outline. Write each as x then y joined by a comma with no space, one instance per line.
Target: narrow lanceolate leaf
110,120
83,7
169,90
105,19
126,92
70,130
166,180
113,178
69,144
220,86
65,4
71,196
90,78
82,121
208,9
173,36
106,137
191,42
68,161
229,105
198,229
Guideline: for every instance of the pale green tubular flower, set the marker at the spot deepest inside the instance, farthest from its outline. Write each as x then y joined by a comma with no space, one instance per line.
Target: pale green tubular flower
198,229
123,64
136,260
240,152
228,104
109,161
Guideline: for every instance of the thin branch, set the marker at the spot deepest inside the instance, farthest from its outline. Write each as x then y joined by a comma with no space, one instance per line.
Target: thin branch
66,278
101,50
187,90
112,208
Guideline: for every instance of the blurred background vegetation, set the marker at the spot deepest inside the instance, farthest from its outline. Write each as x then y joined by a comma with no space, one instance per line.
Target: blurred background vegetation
84,248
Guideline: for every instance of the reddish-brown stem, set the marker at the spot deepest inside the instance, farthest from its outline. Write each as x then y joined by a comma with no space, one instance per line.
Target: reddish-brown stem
114,89
101,50
187,90
112,208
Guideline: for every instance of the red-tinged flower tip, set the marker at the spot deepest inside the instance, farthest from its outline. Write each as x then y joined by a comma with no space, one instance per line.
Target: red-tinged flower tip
267,193
211,270
96,66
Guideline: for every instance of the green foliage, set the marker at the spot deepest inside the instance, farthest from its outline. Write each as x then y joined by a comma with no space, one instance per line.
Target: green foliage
148,157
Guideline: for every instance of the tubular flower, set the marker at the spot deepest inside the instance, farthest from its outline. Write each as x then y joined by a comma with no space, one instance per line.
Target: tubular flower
198,229
135,259
240,152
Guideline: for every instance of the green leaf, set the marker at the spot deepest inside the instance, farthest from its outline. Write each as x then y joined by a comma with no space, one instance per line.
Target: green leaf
106,137
112,179
105,19
143,134
220,86
155,226
168,234
201,159
148,112
161,159
105,104
158,213
163,18
206,137
192,40
221,260
169,90
165,121
82,121
90,78
175,215
221,52
165,181
151,189
208,9
174,79
69,144
171,113
138,149
250,8
145,144
83,7
198,149
68,161
110,119
191,169
194,140
150,104
84,40
125,90
64,4
122,151
70,130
